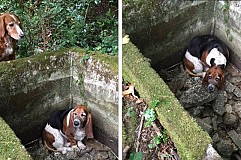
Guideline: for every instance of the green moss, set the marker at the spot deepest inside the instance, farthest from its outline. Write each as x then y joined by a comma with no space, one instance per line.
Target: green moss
10,146
52,60
190,140
112,61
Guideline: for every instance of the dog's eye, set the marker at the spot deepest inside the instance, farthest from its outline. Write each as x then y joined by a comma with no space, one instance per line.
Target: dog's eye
209,77
75,114
217,79
11,24
83,114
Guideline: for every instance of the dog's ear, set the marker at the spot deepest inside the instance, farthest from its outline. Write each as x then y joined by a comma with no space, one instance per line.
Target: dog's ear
221,83
89,127
2,27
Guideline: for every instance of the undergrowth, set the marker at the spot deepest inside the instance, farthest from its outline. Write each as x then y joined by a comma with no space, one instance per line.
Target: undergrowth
56,24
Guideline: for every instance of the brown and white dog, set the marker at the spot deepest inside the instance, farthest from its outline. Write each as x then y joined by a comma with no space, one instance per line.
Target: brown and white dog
66,129
206,56
10,33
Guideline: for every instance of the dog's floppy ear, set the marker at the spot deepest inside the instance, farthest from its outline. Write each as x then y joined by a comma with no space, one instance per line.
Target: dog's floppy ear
221,83
2,27
88,126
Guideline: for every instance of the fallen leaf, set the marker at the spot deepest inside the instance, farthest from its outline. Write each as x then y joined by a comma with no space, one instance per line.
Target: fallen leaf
125,39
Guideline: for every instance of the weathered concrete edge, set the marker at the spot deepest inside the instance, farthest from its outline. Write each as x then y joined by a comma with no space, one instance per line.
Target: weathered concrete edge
11,148
190,140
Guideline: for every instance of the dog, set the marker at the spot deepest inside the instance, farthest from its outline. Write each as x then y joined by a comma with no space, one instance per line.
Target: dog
206,57
10,33
66,129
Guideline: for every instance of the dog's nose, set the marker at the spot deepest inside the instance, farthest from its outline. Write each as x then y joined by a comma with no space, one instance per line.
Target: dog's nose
76,123
211,87
21,35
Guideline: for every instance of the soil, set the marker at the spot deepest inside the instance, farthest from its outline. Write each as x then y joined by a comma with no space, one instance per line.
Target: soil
138,139
94,151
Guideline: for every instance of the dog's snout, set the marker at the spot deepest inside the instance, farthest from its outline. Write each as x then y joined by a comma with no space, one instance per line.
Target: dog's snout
211,87
21,35
77,123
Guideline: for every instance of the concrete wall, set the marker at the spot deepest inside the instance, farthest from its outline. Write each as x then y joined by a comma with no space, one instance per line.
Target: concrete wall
97,85
32,88
228,27
162,28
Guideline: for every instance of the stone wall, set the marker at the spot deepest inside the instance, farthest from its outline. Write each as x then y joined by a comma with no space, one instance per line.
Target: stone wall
32,88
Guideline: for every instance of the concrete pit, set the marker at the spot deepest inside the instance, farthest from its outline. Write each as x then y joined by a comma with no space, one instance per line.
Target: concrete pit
162,29
34,87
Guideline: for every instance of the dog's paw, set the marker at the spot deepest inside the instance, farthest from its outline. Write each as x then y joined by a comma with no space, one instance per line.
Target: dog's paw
81,145
75,148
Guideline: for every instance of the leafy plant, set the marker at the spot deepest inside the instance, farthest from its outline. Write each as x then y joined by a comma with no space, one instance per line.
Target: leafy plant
150,113
136,156
155,141
164,136
52,25
130,112
85,58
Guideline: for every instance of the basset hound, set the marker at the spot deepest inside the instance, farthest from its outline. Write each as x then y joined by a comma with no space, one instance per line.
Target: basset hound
10,33
206,57
66,129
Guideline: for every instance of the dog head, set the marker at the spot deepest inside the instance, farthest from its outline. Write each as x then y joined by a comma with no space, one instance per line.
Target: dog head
10,24
82,118
214,77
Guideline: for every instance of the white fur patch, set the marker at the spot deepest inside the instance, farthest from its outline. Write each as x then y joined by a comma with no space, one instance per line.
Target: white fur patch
68,116
79,134
59,139
218,56
198,66
13,17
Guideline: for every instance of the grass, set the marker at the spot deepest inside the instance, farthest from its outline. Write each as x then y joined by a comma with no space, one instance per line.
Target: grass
10,146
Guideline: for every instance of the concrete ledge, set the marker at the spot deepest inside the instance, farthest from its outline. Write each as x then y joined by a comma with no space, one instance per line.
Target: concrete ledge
10,146
190,140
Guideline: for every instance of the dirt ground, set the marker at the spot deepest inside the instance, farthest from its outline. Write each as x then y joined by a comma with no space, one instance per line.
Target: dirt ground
139,140
94,151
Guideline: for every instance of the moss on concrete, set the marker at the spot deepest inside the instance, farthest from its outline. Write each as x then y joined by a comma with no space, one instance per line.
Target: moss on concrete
190,140
10,146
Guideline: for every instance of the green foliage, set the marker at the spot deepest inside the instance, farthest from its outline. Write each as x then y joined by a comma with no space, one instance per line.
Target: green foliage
54,24
150,113
136,156
155,141
85,58
164,136
130,112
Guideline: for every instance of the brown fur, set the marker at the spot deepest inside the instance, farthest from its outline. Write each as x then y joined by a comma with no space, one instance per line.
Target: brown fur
215,72
9,36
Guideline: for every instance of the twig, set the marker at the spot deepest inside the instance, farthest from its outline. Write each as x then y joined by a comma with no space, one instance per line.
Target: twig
86,12
139,132
157,130
125,151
